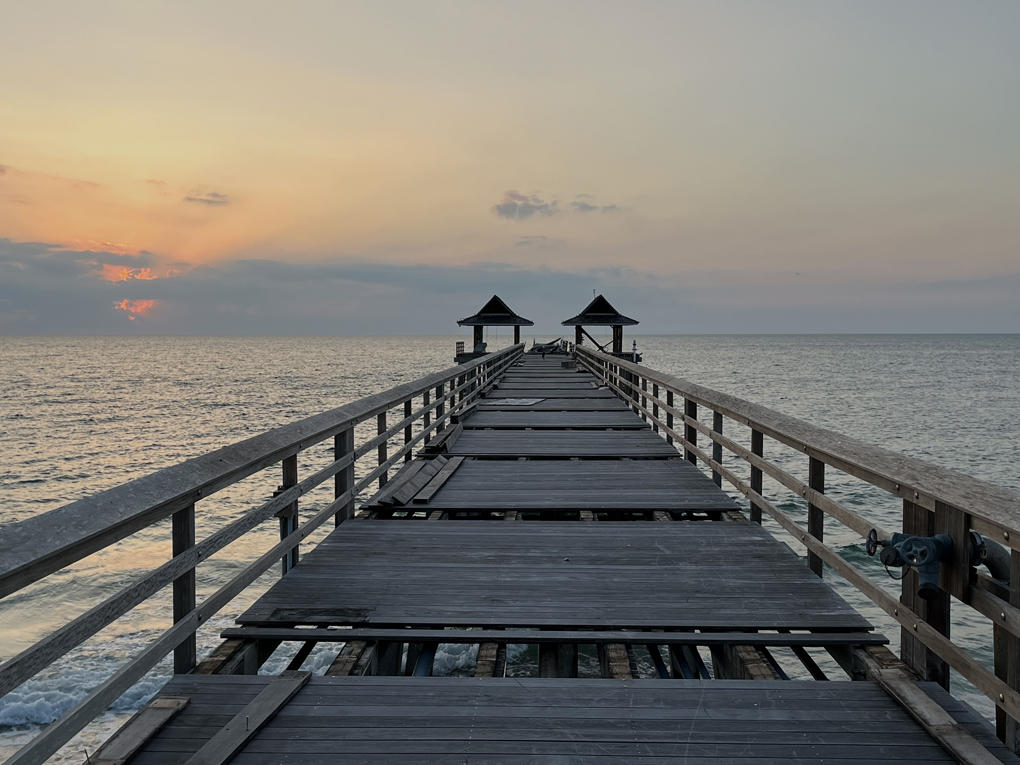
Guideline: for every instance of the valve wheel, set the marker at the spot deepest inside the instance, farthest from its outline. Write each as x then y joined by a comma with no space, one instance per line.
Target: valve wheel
871,545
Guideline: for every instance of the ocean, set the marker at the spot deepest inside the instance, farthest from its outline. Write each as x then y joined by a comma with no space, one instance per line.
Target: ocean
82,414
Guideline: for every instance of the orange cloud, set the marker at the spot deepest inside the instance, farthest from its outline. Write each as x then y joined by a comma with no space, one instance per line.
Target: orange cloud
91,245
115,273
134,307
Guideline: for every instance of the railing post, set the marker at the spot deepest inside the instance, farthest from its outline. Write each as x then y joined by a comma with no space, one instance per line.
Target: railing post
669,416
921,521
183,536
655,408
644,399
440,407
690,432
954,579
383,451
816,518
426,399
1012,648
408,430
289,515
343,444
758,449
717,447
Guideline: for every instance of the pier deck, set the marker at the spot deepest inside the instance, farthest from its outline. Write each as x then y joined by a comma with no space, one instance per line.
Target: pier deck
602,486
704,600
389,720
558,574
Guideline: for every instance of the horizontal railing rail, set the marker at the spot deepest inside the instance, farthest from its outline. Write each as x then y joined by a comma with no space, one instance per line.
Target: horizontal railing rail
935,500
35,548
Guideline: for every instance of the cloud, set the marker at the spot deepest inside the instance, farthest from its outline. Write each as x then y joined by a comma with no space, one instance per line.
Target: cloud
211,198
120,273
3,169
134,307
91,245
517,206
47,290
581,206
538,241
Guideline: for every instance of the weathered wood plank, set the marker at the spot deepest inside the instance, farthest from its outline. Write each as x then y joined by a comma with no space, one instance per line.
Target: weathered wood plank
589,637
222,747
576,420
572,574
561,444
385,497
136,732
441,477
934,719
588,485
406,493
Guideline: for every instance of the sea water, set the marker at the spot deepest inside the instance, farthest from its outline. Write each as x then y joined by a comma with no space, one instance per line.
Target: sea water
79,415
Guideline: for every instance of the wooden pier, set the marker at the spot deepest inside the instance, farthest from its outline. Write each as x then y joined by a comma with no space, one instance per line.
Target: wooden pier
530,504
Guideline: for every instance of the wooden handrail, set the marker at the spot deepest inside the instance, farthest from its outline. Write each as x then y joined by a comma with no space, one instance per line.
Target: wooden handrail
912,479
35,548
38,546
956,503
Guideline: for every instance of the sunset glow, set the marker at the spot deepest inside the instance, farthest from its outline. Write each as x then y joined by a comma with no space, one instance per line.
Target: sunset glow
115,273
679,145
135,307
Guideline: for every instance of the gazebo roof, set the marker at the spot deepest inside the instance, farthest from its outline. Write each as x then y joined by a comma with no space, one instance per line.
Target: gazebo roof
495,313
600,313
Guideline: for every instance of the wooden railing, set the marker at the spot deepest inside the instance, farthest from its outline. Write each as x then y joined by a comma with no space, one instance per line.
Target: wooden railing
35,548
935,500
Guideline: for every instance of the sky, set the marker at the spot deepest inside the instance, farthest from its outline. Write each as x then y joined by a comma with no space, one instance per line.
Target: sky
384,168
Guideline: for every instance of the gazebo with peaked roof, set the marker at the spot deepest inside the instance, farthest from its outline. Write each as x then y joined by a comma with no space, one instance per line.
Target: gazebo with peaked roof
600,313
495,313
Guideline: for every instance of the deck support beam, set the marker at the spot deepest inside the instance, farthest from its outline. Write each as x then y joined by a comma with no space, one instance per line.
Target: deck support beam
614,662
345,661
238,657
741,662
